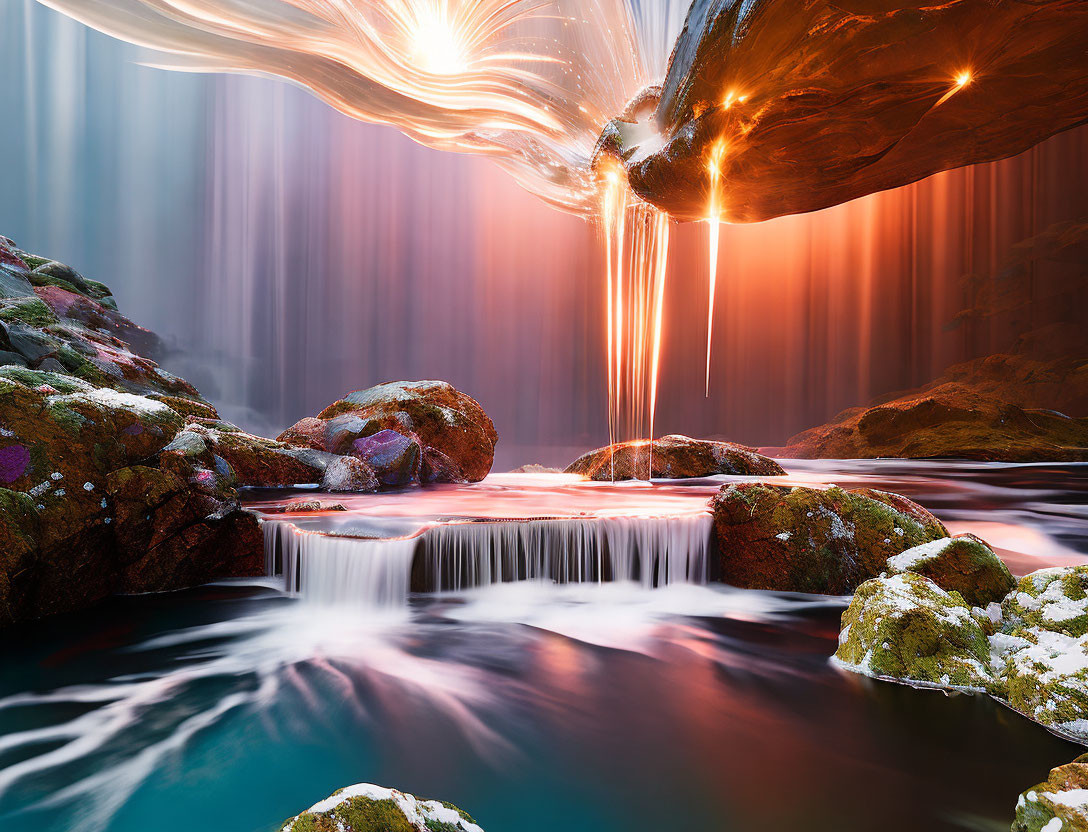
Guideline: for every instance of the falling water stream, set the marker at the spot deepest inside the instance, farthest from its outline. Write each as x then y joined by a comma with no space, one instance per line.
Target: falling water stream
606,689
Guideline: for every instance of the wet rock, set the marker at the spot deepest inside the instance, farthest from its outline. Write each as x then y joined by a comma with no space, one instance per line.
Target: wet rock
672,457
168,535
433,413
964,563
347,473
802,123
254,460
394,458
950,421
908,628
368,808
812,540
307,506
1060,804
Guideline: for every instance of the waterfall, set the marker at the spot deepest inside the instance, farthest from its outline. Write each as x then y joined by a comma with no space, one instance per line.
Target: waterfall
651,550
328,569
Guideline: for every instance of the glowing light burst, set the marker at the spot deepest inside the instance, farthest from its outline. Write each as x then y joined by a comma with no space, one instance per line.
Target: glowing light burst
528,82
963,78
713,224
636,239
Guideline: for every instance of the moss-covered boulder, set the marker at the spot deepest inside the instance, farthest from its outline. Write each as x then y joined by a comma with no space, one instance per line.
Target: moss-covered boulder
368,808
1059,804
963,563
813,540
1053,599
906,627
1041,650
672,457
441,418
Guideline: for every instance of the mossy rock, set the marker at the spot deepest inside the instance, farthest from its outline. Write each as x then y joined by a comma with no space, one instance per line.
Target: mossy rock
1053,599
672,457
1045,677
907,628
1059,803
964,563
368,808
813,540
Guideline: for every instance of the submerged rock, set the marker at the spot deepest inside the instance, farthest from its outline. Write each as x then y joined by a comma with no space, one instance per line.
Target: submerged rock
963,563
812,540
672,457
1060,804
368,808
908,628
394,457
455,436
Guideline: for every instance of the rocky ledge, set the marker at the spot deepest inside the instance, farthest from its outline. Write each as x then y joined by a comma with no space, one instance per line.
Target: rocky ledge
368,808
118,477
672,457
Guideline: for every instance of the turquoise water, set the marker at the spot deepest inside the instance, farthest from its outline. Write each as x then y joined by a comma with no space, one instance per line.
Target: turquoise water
536,707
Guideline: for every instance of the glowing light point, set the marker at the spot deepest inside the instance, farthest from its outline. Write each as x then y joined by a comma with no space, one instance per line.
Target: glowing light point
438,47
963,79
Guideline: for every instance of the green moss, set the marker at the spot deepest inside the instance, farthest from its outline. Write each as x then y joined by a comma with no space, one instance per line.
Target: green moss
965,564
64,416
1038,595
30,311
36,378
307,822
442,826
363,814
80,367
906,627
32,260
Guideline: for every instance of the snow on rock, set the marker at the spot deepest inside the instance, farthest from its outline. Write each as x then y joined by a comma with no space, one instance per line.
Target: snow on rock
906,627
365,807
1061,803
964,563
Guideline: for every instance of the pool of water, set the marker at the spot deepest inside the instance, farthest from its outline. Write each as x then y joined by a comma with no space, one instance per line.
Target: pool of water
535,706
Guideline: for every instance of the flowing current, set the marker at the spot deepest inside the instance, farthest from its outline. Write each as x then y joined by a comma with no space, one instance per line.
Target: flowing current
539,650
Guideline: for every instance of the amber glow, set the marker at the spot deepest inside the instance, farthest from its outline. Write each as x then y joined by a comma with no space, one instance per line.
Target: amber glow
961,80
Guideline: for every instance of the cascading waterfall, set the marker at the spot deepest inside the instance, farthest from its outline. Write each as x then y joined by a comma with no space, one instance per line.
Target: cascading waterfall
330,569
326,569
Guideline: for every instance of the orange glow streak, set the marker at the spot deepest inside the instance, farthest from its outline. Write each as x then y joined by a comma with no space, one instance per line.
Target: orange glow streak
713,221
662,236
636,253
962,80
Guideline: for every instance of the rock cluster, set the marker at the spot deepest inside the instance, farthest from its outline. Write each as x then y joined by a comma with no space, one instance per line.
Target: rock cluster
368,808
1030,650
404,432
116,476
672,457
